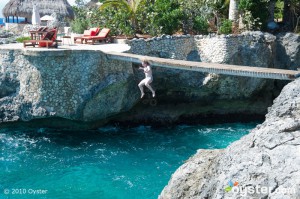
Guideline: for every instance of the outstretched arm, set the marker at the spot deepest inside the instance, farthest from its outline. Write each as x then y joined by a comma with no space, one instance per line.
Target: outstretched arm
147,69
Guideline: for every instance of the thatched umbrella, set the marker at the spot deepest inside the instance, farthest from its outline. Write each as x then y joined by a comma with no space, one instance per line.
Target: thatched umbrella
23,8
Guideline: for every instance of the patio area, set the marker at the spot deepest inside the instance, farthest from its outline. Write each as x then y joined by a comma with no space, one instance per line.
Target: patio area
101,47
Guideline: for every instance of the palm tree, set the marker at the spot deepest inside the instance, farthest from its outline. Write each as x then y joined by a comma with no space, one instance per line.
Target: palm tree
128,7
234,13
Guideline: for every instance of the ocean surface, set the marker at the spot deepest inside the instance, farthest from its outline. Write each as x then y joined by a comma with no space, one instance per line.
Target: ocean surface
2,20
108,163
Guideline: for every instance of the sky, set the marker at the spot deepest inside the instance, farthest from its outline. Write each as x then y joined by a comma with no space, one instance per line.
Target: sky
4,2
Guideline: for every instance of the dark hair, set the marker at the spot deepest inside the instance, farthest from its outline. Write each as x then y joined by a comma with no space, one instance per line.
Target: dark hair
146,61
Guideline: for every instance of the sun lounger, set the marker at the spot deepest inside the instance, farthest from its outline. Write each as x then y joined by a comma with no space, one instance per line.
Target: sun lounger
89,32
48,40
102,36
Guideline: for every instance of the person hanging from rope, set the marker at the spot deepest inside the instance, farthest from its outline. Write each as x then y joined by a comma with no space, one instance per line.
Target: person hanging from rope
148,78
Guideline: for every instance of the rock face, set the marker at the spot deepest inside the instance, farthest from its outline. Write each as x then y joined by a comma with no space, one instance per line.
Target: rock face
187,96
78,85
264,163
85,86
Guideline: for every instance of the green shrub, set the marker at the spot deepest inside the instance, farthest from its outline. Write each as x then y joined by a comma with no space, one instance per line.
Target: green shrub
252,17
145,18
168,16
116,20
197,12
21,39
79,25
81,21
226,27
200,25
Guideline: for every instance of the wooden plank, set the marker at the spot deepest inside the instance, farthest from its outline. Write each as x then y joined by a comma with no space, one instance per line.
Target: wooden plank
227,69
36,42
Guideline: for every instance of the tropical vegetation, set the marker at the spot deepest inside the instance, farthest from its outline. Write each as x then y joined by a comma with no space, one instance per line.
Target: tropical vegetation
156,17
21,39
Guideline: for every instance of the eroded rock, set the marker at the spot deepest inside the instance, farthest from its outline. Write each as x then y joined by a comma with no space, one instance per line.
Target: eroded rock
269,156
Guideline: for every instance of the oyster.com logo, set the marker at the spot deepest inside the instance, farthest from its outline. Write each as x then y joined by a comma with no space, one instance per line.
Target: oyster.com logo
235,188
230,185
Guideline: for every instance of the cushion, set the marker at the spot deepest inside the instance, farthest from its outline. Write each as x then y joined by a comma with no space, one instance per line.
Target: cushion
93,33
51,35
87,33
104,32
96,30
44,44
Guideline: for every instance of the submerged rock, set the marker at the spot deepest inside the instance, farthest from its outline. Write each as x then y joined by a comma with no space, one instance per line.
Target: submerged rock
263,164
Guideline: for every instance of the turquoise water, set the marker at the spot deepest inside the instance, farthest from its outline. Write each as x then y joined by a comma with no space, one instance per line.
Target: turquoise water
110,163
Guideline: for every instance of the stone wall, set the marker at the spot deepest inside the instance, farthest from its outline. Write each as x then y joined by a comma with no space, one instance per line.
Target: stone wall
166,46
206,48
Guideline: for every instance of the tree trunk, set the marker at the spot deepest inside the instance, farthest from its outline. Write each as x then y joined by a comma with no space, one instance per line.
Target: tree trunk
289,15
233,11
234,14
286,11
271,10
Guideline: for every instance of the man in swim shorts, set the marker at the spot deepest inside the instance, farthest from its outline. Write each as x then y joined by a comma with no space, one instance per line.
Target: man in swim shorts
148,78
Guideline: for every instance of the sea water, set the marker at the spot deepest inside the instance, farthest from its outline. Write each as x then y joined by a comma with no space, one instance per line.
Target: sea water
108,163
20,19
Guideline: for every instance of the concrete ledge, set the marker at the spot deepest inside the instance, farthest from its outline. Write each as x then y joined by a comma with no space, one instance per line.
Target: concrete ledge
96,47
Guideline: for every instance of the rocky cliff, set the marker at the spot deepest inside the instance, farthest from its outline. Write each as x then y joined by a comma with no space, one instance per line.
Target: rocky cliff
79,85
86,87
263,164
186,96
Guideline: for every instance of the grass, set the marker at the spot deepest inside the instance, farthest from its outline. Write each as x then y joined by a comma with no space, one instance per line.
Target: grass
21,39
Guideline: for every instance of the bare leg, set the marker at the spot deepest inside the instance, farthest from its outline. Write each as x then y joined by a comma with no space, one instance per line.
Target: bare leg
151,89
141,84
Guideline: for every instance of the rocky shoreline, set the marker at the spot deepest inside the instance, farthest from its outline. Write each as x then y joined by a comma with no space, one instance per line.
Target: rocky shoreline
267,157
87,90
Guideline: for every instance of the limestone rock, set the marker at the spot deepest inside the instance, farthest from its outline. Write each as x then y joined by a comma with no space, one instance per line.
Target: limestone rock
80,86
194,97
267,157
86,86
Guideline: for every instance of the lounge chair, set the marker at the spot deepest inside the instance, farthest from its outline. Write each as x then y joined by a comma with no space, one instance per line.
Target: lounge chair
89,32
102,36
48,40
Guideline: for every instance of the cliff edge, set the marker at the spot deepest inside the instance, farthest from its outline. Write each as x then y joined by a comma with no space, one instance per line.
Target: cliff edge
263,164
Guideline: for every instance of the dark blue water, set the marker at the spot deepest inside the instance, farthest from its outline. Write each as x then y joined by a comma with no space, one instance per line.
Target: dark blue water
109,163
2,22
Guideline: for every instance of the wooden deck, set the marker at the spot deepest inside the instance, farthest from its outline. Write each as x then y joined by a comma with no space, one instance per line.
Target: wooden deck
247,71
